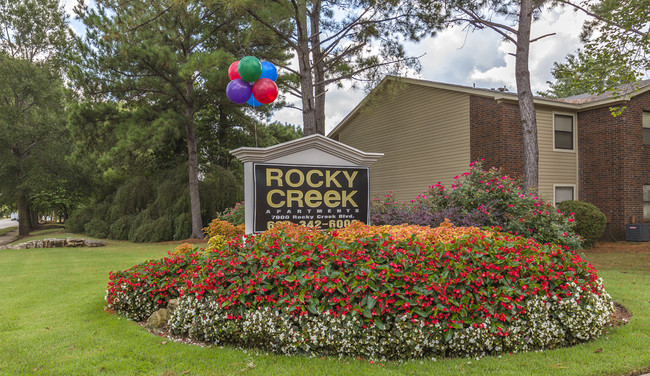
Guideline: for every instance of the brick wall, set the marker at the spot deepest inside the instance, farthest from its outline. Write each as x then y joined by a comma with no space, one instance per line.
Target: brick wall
495,135
613,162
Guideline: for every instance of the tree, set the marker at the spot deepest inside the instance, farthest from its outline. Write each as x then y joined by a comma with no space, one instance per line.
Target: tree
32,130
33,30
32,35
478,14
142,195
583,73
619,47
333,42
617,44
221,128
164,61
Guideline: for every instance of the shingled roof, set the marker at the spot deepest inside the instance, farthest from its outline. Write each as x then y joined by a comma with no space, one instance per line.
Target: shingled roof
621,91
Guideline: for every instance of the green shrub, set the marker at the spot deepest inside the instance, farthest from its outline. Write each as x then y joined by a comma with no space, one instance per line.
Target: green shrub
121,227
78,220
156,207
589,222
235,215
182,226
97,228
132,197
219,189
375,295
152,230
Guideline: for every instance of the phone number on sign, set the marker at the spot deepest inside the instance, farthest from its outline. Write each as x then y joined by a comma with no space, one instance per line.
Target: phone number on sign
334,223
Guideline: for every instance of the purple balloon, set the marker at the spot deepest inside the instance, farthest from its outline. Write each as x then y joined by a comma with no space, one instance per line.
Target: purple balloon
269,71
239,91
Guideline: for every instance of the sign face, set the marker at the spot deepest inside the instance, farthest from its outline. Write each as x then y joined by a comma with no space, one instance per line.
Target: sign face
315,196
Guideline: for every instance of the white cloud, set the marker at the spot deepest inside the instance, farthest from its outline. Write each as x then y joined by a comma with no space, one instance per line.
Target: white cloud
68,5
456,56
76,25
478,58
565,25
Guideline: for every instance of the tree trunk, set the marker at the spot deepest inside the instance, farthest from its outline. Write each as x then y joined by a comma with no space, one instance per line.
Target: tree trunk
193,167
24,224
525,93
319,69
305,68
33,216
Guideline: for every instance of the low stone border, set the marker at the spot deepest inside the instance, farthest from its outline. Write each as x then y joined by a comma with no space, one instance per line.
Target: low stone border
56,243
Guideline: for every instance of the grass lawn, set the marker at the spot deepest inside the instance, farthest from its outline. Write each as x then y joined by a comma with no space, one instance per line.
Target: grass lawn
52,323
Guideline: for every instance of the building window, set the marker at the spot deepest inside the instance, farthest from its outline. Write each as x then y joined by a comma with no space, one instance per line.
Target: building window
564,132
564,194
646,202
646,128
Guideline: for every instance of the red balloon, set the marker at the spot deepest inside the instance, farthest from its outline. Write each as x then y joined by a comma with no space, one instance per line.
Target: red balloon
265,91
233,74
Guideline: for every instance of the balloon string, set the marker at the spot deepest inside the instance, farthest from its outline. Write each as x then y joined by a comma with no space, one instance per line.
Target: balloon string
255,134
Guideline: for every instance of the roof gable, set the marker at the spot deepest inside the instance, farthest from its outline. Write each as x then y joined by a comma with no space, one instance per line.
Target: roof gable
315,149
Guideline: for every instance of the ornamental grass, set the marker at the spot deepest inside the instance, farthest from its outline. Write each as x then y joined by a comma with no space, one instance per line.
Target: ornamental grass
379,292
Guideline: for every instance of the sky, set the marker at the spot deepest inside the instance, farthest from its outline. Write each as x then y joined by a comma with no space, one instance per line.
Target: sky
480,58
461,57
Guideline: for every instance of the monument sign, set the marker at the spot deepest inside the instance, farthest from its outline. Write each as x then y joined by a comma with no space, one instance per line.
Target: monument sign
313,181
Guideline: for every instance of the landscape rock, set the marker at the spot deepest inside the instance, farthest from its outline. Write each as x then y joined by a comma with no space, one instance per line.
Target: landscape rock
172,304
94,243
56,243
53,243
69,242
158,319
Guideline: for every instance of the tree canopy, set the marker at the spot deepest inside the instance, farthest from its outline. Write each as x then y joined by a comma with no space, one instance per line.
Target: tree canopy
33,30
335,41
33,138
616,47
583,73
162,63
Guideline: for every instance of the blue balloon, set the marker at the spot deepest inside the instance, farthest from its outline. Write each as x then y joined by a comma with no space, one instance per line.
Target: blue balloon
269,71
253,102
239,91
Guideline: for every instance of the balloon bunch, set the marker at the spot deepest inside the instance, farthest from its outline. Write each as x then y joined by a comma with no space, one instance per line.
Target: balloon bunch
252,82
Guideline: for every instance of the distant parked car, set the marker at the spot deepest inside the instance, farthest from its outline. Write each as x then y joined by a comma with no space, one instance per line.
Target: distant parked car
14,216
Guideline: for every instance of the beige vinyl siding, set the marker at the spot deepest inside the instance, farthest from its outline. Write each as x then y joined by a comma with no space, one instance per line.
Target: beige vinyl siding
424,135
556,167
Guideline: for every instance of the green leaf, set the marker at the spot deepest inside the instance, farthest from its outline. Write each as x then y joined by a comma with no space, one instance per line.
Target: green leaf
448,335
371,302
421,313
312,308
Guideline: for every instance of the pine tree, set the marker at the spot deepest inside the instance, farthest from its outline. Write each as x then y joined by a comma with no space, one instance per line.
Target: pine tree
166,61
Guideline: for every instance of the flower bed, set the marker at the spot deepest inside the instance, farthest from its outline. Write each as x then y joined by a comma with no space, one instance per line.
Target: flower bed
481,198
378,292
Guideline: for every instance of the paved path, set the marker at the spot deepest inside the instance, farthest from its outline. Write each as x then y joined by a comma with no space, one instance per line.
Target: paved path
11,236
4,223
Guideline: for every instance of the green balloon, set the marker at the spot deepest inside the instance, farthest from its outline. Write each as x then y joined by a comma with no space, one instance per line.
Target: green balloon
249,69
